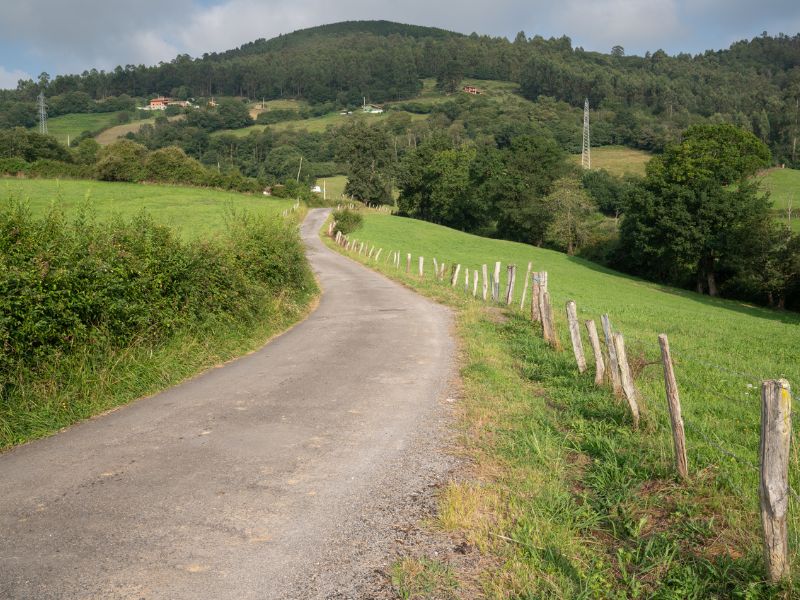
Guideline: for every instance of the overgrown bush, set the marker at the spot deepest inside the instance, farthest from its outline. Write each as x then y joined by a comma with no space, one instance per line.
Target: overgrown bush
122,161
171,164
52,169
12,166
82,287
347,220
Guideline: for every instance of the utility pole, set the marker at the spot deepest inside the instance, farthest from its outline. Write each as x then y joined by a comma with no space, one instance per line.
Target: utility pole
586,153
298,170
42,114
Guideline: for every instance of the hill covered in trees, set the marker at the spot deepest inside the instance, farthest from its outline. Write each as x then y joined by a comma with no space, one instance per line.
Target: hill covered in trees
644,101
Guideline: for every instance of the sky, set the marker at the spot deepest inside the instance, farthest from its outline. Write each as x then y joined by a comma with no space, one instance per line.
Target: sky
70,36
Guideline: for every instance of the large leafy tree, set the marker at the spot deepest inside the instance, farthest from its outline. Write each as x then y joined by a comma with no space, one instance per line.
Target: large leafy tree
690,217
366,151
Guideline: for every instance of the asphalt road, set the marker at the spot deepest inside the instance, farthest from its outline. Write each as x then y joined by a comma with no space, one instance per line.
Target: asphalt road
279,475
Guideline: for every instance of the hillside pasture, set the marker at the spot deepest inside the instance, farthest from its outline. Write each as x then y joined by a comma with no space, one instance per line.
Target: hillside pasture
195,212
334,186
722,349
617,160
72,125
783,186
316,124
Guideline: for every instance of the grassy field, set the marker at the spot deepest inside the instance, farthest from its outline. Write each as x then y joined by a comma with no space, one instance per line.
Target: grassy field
314,125
617,160
73,125
784,188
112,134
334,186
195,212
564,499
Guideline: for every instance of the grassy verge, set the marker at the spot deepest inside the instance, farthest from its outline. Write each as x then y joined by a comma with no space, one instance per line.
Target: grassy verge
563,499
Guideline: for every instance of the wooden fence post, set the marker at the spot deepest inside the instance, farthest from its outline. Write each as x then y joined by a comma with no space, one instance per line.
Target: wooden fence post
466,280
627,379
525,286
599,364
371,250
575,336
422,266
548,324
773,490
674,404
536,301
435,268
474,283
511,277
454,278
496,282
613,363
408,264
485,273
378,254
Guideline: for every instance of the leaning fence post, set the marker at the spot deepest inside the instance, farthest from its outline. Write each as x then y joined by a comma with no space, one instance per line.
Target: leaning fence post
599,364
525,287
575,336
456,272
485,273
613,363
511,280
773,491
371,250
627,378
674,404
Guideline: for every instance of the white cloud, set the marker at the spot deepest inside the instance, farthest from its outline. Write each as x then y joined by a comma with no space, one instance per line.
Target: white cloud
9,78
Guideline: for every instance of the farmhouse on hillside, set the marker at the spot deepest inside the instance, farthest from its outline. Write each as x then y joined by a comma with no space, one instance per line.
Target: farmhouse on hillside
471,89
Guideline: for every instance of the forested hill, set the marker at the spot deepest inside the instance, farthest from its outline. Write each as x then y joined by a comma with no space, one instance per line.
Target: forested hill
647,99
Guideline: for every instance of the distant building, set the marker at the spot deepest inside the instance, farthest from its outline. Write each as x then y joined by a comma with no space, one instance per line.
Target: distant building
471,89
316,188
372,109
159,103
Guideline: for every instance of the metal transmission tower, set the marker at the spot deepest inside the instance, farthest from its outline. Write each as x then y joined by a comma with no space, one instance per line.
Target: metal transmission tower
42,114
586,154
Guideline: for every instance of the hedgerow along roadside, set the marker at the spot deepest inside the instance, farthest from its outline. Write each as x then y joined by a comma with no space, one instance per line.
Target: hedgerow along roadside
94,313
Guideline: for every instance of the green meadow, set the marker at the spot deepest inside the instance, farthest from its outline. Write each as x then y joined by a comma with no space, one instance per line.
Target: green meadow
561,449
195,212
784,188
72,125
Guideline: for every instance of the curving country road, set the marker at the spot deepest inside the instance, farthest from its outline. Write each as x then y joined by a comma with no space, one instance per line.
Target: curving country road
279,475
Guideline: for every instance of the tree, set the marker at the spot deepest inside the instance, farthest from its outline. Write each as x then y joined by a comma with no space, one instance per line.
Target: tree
366,151
618,51
686,221
571,208
122,161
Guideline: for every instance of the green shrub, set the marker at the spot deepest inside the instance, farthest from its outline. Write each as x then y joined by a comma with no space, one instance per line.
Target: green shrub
347,220
12,166
53,169
122,161
171,165
86,288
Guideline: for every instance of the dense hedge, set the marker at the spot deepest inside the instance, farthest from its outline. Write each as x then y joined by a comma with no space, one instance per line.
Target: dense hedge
347,221
70,287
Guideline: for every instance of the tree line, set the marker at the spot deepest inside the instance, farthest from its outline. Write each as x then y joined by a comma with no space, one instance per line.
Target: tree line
754,84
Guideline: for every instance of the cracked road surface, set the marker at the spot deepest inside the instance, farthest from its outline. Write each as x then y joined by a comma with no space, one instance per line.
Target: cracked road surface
278,475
